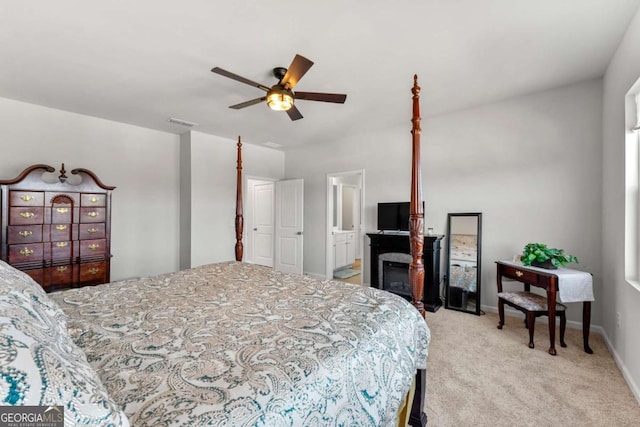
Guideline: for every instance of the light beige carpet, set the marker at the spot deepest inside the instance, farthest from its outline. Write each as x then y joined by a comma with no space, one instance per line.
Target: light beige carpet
478,375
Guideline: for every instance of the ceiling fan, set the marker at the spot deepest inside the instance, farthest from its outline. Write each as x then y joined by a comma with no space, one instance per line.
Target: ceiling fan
281,96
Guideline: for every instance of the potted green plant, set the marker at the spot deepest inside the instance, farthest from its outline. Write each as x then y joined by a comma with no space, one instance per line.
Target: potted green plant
539,255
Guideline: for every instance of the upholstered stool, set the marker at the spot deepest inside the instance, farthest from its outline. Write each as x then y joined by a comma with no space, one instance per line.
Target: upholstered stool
532,305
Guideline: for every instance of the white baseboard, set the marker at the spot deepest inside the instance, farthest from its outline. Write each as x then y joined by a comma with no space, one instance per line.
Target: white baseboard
595,329
625,372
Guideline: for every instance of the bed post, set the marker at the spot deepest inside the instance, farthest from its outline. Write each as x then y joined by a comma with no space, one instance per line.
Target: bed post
416,239
416,216
239,217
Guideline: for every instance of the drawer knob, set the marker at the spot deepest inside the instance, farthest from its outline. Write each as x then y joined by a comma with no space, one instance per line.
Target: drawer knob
62,244
27,215
93,200
25,233
62,268
26,198
92,214
519,273
92,230
94,246
61,227
26,251
94,271
62,210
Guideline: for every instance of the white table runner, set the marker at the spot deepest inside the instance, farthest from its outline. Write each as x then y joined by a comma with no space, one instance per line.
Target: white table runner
573,285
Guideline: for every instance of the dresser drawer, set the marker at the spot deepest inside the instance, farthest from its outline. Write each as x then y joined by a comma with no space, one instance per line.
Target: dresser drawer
60,232
92,231
93,200
90,215
26,216
519,274
93,247
37,275
26,198
25,253
61,275
61,250
61,214
20,234
93,273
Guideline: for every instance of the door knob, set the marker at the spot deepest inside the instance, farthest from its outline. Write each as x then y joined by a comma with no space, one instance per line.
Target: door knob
299,233
255,229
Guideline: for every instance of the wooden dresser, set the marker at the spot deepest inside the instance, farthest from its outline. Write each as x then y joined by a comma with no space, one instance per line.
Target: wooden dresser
56,228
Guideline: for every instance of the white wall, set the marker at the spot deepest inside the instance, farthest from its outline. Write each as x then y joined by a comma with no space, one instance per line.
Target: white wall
143,164
145,167
620,297
213,192
530,164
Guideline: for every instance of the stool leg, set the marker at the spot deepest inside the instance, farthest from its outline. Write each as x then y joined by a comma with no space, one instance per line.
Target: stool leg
563,327
500,313
531,324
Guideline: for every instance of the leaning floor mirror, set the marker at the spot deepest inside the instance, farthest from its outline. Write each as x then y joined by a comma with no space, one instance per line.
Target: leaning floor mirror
464,231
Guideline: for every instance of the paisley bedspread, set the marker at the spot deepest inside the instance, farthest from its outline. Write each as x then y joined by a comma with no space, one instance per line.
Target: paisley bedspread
242,345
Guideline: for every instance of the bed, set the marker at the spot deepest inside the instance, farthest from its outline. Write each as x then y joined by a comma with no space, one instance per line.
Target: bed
222,344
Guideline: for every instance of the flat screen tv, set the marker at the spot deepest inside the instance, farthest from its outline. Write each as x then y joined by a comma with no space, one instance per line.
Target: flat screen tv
394,216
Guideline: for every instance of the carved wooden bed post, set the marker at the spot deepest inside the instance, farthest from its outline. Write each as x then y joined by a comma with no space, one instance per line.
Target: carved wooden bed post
239,217
416,240
416,216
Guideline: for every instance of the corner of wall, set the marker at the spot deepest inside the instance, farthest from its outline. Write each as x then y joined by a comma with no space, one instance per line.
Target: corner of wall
185,200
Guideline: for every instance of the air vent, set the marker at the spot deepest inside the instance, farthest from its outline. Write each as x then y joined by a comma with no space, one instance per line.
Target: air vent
273,144
181,122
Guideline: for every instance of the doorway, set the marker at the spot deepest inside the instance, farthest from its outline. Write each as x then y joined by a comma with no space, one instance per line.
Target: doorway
274,224
345,226
260,221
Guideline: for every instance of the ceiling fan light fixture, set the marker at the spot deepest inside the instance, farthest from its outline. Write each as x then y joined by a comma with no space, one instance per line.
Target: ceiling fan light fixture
279,99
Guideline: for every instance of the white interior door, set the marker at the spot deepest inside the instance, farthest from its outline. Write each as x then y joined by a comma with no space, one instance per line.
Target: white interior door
289,226
261,233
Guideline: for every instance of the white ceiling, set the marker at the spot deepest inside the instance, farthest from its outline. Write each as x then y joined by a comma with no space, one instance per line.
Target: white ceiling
144,61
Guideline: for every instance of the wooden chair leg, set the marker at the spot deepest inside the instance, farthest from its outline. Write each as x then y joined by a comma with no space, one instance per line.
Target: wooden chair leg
500,313
531,325
563,327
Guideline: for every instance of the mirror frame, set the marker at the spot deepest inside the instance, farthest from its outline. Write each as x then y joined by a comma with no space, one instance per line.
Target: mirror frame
447,305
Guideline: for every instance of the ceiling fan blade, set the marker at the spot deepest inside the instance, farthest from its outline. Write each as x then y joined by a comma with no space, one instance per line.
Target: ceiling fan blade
294,113
298,68
241,79
338,98
248,103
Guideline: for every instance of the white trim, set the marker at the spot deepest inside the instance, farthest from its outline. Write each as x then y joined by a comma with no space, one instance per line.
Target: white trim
623,369
637,99
633,282
632,187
